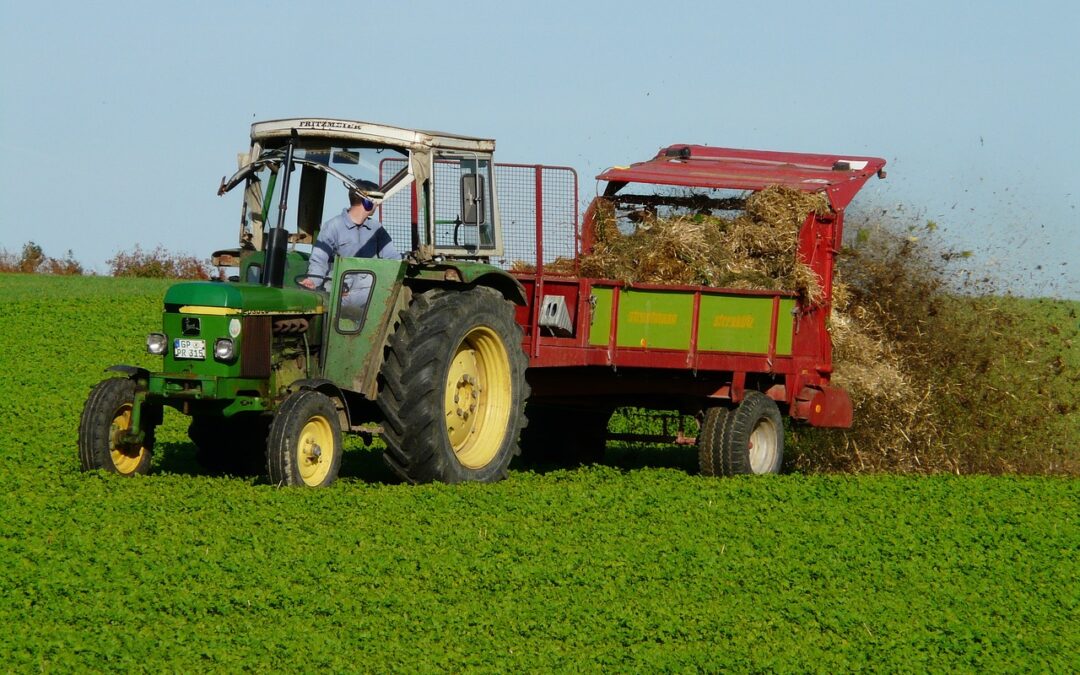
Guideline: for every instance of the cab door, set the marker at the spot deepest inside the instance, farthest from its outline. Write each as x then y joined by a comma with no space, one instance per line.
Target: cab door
365,295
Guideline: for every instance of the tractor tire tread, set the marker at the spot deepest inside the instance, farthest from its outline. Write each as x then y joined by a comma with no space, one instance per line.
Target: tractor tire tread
289,420
95,423
411,383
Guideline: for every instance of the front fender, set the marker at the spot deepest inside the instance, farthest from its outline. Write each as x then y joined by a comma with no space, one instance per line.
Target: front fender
327,387
133,372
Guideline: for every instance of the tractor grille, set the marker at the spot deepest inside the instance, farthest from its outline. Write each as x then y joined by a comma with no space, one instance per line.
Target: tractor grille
255,347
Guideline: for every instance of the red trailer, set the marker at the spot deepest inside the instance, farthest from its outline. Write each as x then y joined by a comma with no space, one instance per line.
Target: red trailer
738,360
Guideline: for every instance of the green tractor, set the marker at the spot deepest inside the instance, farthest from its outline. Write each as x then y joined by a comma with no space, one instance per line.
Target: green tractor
272,373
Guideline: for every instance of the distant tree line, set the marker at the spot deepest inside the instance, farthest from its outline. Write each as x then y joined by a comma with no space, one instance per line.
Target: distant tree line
33,260
157,263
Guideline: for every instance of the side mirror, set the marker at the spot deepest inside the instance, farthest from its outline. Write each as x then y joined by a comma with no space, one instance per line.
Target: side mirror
472,199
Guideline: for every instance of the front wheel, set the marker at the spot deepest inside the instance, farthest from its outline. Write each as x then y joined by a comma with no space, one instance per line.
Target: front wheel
453,387
104,439
304,445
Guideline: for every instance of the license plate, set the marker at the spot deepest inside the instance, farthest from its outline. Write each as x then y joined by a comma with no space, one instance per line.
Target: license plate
189,349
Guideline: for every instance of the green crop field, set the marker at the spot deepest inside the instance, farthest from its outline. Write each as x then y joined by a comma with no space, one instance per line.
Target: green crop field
636,564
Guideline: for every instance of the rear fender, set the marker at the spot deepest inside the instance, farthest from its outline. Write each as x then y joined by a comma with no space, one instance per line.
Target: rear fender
466,274
510,287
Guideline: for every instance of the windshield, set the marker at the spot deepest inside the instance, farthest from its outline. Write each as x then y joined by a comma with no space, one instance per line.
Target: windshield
318,189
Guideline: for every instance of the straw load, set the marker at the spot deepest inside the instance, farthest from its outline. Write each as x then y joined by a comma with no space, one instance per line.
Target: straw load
755,249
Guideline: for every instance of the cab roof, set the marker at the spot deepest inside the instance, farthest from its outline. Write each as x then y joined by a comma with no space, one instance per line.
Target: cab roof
839,176
366,132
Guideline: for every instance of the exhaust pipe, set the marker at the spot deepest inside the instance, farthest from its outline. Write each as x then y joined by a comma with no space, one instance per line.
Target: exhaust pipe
277,244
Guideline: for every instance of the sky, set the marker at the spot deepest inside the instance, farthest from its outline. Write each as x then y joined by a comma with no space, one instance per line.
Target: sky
118,119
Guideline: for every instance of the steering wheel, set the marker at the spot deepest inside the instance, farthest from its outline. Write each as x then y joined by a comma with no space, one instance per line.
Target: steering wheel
320,281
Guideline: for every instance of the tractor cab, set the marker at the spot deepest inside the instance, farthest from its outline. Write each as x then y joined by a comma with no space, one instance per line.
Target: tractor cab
434,192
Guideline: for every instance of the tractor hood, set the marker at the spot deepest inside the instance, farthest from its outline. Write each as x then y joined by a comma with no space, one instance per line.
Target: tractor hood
243,298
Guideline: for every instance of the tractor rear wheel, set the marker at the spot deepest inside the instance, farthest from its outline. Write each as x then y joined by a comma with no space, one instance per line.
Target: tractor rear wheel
304,444
746,440
452,388
106,418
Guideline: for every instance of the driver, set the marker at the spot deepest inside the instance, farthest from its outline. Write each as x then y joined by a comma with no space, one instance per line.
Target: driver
353,233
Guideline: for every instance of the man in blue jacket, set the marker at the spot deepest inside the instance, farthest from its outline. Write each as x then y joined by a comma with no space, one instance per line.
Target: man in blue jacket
353,233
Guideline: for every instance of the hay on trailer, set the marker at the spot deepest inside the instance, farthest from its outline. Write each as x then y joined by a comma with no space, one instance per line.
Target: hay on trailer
754,250
562,267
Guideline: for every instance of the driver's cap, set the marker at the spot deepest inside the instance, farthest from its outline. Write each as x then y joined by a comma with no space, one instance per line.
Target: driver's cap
369,189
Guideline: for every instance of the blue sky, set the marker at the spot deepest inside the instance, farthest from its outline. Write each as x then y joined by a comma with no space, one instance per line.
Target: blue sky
118,119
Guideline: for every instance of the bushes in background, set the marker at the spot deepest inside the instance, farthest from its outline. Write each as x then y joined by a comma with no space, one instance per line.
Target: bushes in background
154,264
33,260
158,264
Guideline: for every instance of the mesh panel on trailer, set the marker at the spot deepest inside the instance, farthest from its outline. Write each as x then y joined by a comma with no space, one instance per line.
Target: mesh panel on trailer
516,185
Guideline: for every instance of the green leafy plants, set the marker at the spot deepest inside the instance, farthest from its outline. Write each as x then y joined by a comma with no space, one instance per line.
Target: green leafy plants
632,564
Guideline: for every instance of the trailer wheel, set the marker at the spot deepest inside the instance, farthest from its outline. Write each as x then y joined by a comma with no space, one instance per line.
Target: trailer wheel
235,445
105,418
452,388
752,441
710,441
304,444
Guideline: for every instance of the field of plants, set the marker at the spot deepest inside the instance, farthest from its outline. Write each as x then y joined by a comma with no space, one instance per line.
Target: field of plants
634,564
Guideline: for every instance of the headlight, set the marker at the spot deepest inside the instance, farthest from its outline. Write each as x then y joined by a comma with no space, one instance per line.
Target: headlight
155,343
224,349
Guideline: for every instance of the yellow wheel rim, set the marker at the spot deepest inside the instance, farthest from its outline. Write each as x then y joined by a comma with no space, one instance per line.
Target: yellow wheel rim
125,458
315,450
478,396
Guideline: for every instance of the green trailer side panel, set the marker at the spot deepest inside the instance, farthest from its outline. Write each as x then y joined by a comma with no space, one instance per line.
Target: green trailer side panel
662,320
730,323
655,319
785,326
601,316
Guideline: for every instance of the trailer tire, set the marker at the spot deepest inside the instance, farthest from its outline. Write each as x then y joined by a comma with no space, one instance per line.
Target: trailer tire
710,441
106,413
304,444
452,388
752,440
565,436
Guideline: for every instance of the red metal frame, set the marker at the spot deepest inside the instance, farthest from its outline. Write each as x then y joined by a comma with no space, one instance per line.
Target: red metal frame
729,168
569,368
